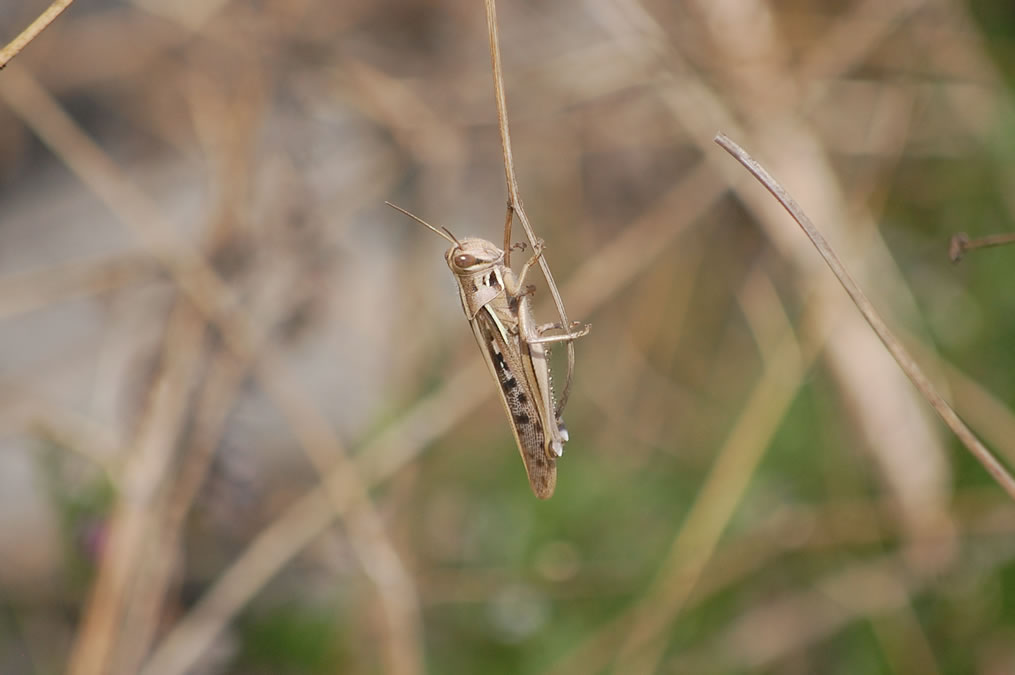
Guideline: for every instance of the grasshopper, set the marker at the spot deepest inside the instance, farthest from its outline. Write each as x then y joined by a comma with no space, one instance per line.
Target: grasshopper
496,303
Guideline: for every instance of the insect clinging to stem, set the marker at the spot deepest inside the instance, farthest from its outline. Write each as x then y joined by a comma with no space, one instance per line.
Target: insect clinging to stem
496,303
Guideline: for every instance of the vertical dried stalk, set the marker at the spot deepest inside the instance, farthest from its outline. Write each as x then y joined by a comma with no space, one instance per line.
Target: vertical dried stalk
210,295
515,204
226,375
136,516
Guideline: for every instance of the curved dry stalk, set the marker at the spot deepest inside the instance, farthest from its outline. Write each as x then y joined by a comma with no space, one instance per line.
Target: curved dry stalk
982,454
894,423
14,47
514,204
992,416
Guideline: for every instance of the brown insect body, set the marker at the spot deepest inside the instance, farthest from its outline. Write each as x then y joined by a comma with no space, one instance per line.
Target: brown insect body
497,306
501,317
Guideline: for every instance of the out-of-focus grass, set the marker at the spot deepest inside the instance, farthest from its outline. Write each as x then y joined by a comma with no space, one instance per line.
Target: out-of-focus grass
267,137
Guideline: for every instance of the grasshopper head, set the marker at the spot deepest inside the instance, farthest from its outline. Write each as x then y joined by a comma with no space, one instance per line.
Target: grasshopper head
466,257
473,255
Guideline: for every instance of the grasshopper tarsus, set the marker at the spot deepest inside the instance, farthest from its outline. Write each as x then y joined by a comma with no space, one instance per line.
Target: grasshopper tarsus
544,328
537,250
566,337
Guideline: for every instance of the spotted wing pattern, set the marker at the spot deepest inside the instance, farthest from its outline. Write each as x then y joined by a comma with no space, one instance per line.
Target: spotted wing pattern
505,364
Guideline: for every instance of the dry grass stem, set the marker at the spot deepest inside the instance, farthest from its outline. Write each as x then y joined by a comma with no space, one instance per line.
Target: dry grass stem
772,104
67,429
641,625
272,548
430,418
983,455
136,518
35,290
905,642
235,402
14,47
873,588
213,298
961,243
991,416
164,554
724,487
514,203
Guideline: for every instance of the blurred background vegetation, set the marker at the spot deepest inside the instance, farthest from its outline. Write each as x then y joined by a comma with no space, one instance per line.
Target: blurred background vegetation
244,427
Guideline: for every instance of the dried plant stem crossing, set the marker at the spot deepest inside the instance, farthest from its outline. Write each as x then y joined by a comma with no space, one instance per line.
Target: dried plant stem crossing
993,466
14,47
349,495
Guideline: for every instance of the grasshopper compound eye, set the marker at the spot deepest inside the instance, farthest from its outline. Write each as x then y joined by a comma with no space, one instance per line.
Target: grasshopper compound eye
465,260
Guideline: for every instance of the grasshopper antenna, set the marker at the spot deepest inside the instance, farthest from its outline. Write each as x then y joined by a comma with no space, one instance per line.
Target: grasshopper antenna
444,232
